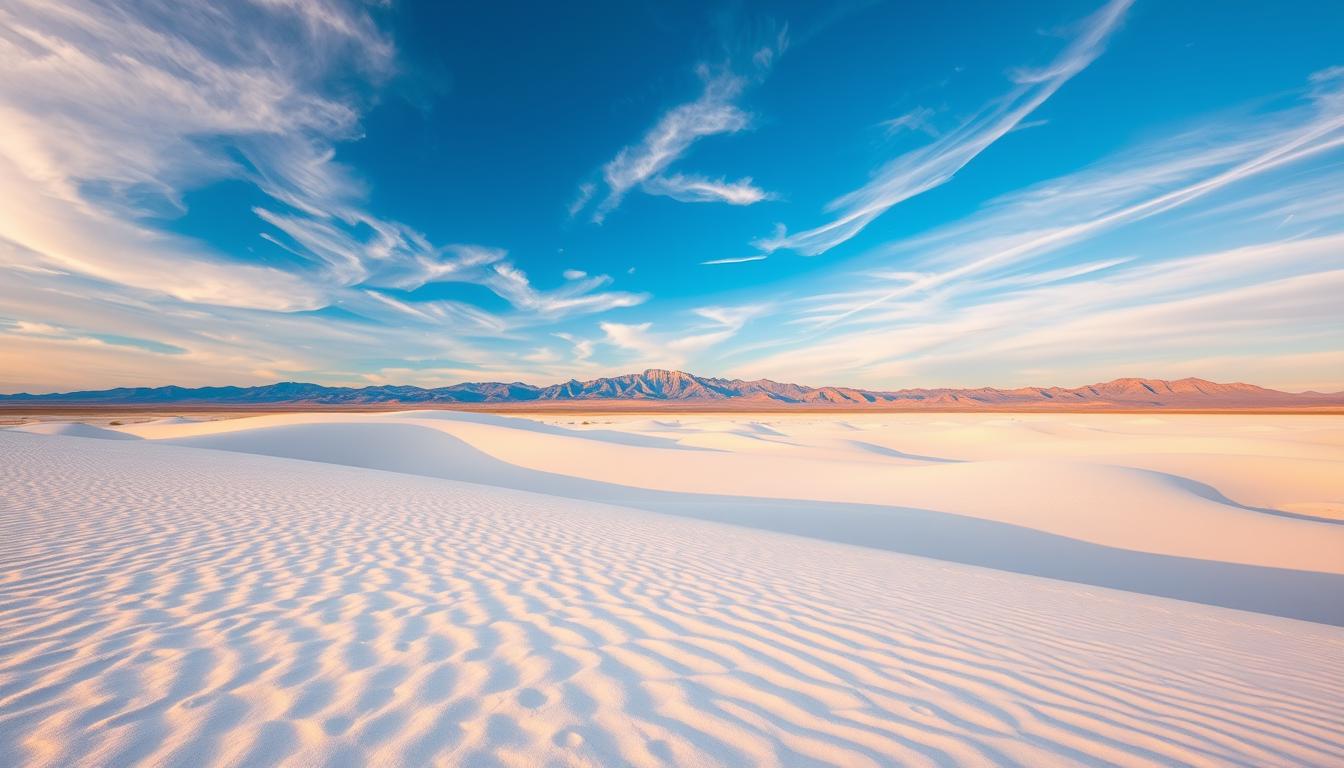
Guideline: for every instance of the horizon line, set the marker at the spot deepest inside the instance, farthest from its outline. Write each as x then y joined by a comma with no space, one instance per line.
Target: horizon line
647,371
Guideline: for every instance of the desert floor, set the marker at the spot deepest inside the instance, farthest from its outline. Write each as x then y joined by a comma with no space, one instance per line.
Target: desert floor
762,589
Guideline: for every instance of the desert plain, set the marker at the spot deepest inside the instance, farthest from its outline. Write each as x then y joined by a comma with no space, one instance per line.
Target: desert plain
450,588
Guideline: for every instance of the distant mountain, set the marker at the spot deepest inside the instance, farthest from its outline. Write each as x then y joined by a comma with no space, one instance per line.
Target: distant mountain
680,387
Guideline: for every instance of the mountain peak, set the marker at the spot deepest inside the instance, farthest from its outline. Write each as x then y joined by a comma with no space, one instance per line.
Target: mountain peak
660,384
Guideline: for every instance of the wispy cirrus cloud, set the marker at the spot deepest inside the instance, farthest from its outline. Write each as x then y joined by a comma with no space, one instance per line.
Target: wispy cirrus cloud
1276,296
107,117
918,119
1171,174
186,343
734,260
672,349
714,112
1076,273
582,348
466,319
698,189
111,113
582,197
116,115
577,295
931,166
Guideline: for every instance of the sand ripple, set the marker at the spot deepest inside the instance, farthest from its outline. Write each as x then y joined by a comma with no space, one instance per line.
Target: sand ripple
214,608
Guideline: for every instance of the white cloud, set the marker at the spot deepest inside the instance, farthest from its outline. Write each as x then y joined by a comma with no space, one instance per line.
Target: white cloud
541,355
735,260
193,344
581,200
582,348
389,255
1169,175
104,109
713,113
108,113
918,119
633,337
698,189
111,112
1112,317
931,166
674,349
574,297
465,319
30,328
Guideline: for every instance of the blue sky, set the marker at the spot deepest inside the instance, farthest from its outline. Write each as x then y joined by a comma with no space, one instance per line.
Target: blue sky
875,194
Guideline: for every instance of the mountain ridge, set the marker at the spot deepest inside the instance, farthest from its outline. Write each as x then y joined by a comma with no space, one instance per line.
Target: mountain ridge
660,385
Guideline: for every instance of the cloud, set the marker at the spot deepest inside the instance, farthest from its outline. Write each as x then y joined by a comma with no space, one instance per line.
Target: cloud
918,119
50,236
386,254
1195,165
106,111
541,355
765,56
109,114
698,189
112,112
191,344
30,328
579,295
931,166
582,198
715,112
1042,286
737,260
712,113
633,337
673,349
574,297
465,319
582,348
725,322
393,256
98,91
1276,296
46,331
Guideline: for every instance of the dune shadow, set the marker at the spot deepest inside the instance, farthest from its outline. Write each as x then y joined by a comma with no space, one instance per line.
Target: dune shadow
882,450
528,425
1206,491
73,429
413,449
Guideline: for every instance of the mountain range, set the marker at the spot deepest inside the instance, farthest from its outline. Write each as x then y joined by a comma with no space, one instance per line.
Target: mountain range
657,385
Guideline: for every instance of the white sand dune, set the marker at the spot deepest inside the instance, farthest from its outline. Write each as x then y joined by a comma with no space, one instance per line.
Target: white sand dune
74,429
1038,495
161,604
172,420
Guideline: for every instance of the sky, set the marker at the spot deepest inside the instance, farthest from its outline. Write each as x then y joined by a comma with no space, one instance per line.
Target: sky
869,194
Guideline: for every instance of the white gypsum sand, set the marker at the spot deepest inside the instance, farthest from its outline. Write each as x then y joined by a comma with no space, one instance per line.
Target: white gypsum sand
168,605
1130,502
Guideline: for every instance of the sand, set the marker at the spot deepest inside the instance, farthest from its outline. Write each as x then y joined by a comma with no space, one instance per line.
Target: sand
923,589
1135,503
